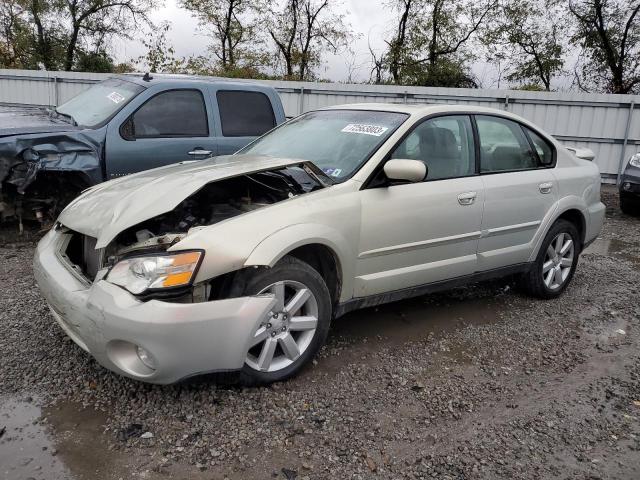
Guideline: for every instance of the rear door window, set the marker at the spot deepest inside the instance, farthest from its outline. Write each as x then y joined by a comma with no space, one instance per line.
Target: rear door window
245,114
503,146
543,149
175,113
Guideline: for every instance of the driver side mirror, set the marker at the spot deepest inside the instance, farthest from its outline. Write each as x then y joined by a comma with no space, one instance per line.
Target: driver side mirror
405,170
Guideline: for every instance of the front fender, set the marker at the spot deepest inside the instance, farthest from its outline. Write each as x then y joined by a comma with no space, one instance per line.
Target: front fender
277,245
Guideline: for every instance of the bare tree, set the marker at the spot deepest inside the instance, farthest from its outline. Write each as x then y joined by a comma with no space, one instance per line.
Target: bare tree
302,31
231,24
398,44
92,21
609,33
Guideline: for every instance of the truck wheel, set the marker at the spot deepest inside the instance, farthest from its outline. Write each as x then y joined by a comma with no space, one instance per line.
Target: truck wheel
556,263
628,207
291,334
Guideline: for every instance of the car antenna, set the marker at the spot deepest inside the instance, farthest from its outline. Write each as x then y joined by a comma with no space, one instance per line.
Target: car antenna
147,77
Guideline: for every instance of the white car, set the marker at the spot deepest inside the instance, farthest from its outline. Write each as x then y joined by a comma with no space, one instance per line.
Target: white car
241,262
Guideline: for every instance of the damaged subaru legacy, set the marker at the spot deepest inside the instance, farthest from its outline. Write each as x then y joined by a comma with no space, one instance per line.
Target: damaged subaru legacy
241,262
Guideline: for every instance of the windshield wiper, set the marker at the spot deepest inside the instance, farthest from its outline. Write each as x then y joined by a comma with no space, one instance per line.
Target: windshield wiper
72,120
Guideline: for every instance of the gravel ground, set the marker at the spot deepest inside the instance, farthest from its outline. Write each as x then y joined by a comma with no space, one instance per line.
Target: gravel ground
480,382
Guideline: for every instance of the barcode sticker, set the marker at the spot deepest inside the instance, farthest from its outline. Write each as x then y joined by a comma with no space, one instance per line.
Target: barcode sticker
374,130
115,97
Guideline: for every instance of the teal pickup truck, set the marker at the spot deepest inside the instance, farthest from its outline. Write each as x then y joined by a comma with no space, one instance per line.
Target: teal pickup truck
123,125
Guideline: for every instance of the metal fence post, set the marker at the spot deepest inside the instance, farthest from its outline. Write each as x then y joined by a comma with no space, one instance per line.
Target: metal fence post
55,91
624,143
301,101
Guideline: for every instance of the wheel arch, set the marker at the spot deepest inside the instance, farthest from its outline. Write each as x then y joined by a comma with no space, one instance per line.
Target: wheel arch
575,216
567,209
322,247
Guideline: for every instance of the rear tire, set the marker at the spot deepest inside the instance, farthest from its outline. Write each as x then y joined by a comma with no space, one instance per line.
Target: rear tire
289,337
556,262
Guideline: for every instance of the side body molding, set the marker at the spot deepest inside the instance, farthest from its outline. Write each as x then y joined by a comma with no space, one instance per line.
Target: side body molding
277,245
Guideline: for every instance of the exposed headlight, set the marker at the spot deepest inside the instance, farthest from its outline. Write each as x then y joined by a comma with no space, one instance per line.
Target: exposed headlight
138,274
635,160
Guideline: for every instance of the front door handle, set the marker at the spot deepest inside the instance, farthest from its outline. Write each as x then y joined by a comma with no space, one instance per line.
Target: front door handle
545,187
467,198
199,151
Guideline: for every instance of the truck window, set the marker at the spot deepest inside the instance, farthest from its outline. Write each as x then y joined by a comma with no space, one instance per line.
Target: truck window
245,114
175,113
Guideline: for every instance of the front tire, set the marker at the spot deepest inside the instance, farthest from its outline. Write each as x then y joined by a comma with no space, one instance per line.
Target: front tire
293,333
556,262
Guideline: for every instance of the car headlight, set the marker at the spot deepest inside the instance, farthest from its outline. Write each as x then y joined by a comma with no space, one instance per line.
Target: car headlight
152,272
635,160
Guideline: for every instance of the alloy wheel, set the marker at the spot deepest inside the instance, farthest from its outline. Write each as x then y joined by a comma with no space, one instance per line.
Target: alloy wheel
287,331
558,261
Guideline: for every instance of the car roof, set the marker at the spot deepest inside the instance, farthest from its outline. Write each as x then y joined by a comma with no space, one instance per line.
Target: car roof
421,109
158,78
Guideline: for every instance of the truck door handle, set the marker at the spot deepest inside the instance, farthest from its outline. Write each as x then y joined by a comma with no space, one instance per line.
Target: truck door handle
467,198
199,151
545,187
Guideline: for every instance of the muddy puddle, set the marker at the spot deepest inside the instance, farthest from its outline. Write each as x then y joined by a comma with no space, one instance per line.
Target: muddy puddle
415,319
68,442
615,248
26,449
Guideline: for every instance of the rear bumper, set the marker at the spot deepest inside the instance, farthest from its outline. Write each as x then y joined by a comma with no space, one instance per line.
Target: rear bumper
108,322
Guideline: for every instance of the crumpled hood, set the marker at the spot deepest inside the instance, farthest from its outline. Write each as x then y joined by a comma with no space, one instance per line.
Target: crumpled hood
107,209
28,120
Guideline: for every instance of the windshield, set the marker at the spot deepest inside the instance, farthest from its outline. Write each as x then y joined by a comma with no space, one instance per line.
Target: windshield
336,141
97,104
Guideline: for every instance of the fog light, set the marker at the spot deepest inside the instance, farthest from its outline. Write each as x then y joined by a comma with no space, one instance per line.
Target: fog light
146,358
626,186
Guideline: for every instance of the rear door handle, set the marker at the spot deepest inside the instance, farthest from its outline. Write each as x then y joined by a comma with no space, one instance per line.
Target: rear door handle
467,198
545,187
199,151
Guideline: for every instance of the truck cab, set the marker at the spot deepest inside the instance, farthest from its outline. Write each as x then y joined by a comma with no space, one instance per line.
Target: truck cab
123,125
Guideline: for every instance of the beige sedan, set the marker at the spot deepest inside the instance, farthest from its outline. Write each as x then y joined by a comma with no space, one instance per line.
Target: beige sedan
241,262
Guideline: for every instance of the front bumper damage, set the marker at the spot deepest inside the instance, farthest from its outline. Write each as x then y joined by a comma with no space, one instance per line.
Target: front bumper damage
630,183
109,323
73,158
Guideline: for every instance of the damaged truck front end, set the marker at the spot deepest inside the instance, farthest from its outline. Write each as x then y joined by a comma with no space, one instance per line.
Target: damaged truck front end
41,173
118,295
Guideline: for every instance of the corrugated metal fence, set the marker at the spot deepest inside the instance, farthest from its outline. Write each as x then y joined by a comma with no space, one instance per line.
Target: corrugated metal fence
607,124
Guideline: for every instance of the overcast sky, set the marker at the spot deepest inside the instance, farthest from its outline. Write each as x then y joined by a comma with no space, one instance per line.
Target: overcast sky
368,18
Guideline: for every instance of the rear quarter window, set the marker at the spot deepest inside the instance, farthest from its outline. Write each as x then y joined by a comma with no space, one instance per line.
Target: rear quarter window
245,114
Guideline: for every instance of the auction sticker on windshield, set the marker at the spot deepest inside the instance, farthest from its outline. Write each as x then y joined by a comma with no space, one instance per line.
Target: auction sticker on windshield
375,130
115,97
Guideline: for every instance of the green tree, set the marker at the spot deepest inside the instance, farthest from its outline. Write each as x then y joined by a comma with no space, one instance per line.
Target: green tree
608,31
431,43
67,34
528,36
160,56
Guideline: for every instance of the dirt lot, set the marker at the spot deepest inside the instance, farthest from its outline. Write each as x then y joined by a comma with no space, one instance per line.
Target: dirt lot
480,382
